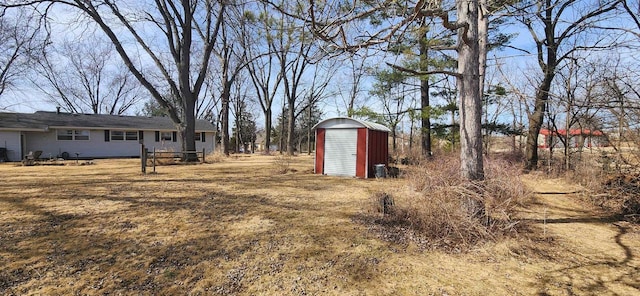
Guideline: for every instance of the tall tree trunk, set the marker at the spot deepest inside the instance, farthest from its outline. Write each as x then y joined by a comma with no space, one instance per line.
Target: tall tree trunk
226,94
567,137
453,129
187,135
309,130
186,93
536,118
425,131
394,136
483,39
411,126
282,130
237,133
267,132
291,125
548,66
469,88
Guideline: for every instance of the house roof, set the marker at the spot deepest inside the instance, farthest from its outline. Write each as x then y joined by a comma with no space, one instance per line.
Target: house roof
346,122
43,120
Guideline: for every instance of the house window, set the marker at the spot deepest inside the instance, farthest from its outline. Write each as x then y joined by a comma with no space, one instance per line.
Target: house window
131,135
197,137
124,136
117,135
166,136
65,135
81,135
70,135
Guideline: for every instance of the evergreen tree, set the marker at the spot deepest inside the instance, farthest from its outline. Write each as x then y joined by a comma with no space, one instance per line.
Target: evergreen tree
244,129
308,118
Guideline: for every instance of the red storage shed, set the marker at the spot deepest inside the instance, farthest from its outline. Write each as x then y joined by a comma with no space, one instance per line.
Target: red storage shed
350,147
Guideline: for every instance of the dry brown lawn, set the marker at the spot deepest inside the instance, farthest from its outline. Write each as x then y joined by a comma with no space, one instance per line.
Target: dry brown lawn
238,228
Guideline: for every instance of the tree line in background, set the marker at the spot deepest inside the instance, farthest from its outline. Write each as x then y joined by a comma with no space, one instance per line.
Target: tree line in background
446,69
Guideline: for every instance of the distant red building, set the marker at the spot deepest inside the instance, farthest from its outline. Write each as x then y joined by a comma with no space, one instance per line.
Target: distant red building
577,138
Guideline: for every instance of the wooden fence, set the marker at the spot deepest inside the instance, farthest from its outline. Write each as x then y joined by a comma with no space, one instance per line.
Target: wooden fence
156,156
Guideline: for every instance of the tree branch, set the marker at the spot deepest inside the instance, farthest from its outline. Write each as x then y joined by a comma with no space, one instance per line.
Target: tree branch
421,73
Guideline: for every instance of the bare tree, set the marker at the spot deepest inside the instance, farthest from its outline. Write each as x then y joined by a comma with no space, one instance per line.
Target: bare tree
20,41
576,98
231,57
621,99
633,14
559,28
519,91
175,37
208,105
80,77
244,129
390,89
297,56
263,66
316,90
350,92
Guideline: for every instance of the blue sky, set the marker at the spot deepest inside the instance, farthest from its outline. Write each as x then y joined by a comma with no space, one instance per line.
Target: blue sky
513,63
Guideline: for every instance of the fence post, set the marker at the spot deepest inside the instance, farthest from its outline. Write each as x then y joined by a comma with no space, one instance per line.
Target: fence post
203,150
154,160
143,159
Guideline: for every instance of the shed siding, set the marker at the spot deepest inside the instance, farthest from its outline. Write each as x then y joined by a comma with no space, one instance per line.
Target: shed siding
11,141
361,155
378,150
319,167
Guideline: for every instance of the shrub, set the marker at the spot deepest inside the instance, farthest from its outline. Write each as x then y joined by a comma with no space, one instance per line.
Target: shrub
450,213
282,164
615,191
215,157
622,195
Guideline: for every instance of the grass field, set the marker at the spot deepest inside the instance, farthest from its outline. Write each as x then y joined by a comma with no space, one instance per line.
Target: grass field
237,228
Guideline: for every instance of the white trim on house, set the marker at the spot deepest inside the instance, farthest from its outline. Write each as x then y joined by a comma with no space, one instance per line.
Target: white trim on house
25,129
109,128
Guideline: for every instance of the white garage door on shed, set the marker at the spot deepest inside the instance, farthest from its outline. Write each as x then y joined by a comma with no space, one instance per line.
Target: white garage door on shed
340,152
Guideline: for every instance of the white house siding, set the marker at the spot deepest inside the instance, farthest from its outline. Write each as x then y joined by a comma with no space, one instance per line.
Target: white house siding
208,145
97,147
150,143
51,147
11,141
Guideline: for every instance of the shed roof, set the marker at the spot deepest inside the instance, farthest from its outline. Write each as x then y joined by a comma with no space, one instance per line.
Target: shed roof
346,122
42,120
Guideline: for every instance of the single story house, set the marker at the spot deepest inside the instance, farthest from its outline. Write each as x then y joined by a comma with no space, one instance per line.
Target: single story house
350,147
70,135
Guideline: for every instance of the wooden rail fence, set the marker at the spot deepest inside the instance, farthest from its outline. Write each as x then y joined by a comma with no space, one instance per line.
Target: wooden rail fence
156,155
